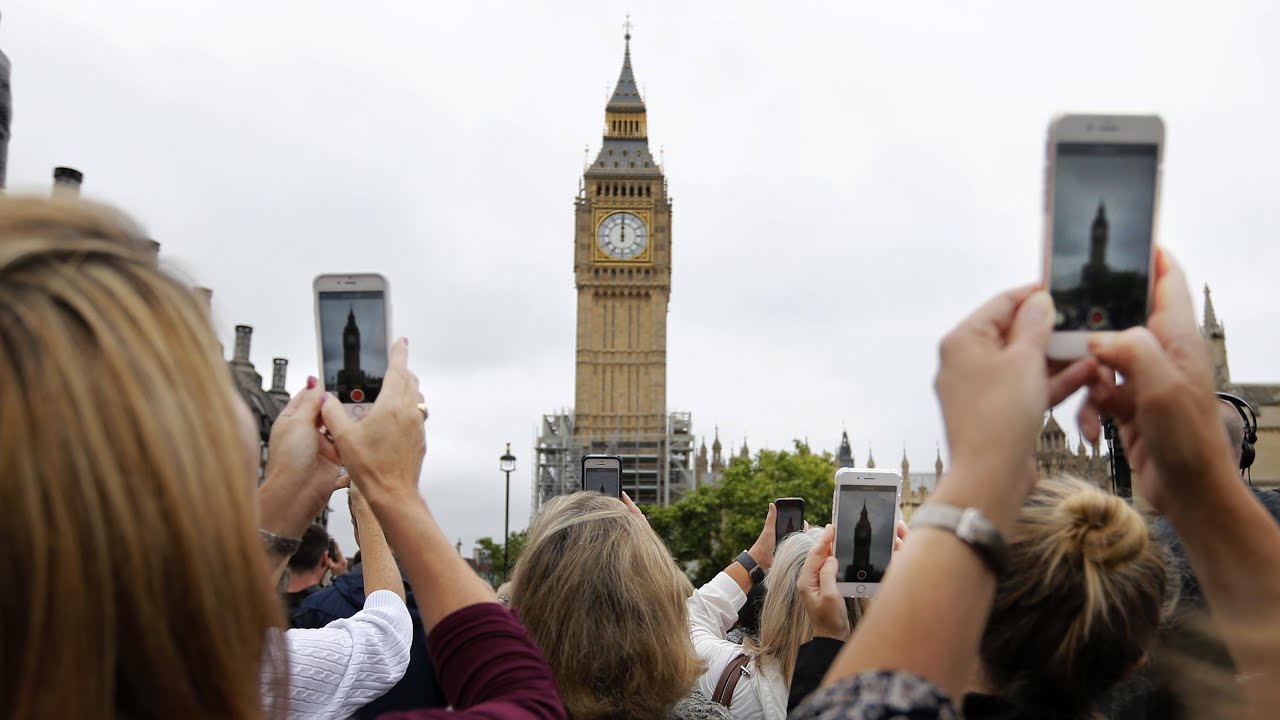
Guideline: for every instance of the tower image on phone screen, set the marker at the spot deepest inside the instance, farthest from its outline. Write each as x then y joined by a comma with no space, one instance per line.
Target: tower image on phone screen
603,480
864,542
1103,213
353,332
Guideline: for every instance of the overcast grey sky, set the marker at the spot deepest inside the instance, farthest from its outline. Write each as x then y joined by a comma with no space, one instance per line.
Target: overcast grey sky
849,179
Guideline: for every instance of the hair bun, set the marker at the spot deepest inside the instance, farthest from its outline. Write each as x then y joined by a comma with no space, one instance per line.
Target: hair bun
1104,529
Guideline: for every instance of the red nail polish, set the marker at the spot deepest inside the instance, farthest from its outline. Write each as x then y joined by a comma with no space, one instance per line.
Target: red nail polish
311,382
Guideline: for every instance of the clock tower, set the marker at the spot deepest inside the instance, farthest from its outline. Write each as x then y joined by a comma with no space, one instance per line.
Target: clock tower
622,276
622,271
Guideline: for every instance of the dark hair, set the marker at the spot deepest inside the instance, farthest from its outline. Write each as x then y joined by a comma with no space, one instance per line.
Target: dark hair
315,542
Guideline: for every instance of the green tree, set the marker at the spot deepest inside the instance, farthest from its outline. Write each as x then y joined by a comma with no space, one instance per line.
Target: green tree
493,550
708,527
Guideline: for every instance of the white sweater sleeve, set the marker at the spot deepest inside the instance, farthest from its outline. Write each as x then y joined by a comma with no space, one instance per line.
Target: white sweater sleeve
713,609
341,667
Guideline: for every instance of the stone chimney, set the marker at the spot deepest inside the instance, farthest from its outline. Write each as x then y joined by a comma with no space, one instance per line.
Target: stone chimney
67,182
280,368
244,333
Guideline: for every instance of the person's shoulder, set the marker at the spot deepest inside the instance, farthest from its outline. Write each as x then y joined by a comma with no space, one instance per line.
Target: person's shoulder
342,599
1270,500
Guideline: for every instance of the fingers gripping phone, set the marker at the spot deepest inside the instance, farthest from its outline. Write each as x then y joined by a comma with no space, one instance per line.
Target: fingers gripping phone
602,474
790,517
866,512
1102,193
353,334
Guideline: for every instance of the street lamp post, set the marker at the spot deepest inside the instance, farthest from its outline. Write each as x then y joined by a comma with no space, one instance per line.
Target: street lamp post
507,463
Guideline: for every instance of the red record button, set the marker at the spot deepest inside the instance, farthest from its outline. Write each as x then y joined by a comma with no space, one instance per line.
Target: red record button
357,395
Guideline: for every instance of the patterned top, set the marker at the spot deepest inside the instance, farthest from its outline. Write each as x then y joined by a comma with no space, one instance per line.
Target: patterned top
879,696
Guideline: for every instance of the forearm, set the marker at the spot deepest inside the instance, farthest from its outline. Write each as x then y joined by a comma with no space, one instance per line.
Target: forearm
430,560
286,515
1233,545
380,571
929,615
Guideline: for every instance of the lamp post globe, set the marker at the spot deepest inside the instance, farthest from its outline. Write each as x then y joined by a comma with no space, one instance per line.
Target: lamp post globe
507,464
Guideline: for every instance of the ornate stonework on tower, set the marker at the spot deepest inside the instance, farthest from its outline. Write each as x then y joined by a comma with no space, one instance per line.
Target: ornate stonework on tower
622,273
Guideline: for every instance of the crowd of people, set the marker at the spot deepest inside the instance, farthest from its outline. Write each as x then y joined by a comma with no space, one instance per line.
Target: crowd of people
148,559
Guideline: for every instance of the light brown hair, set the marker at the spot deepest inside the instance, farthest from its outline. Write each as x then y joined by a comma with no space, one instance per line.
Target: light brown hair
604,600
784,622
1080,603
141,588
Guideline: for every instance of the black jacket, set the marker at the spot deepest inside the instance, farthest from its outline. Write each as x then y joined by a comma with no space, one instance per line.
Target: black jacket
344,598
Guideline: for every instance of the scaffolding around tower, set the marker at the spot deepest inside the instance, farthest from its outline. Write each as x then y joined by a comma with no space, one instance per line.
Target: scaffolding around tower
657,469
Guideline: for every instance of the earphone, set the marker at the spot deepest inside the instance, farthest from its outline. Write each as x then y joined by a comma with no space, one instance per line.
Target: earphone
1250,420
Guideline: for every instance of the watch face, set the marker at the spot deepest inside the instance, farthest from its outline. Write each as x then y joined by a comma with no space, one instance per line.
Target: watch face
622,236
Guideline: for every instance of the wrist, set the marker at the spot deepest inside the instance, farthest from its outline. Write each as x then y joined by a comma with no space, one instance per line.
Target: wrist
763,559
286,512
996,493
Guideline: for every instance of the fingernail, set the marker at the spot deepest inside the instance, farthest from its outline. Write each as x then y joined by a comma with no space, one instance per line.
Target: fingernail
405,340
323,398
1099,342
311,382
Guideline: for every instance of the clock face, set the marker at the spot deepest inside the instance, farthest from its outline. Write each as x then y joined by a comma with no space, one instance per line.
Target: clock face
622,236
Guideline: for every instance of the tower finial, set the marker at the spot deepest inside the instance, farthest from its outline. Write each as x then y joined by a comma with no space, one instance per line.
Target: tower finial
626,26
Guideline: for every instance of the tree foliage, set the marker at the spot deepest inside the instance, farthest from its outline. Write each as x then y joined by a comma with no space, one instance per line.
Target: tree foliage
708,527
493,551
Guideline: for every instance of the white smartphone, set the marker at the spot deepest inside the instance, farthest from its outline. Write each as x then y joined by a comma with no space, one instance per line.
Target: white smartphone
1102,193
353,335
866,510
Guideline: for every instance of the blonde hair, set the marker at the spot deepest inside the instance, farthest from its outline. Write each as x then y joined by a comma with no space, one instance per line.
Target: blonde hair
129,514
1080,603
604,600
784,622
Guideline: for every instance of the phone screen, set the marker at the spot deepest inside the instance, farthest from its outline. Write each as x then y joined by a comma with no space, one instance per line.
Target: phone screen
603,480
790,519
864,531
353,340
1104,197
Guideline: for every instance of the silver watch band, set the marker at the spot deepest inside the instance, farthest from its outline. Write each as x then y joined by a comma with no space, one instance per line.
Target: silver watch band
969,525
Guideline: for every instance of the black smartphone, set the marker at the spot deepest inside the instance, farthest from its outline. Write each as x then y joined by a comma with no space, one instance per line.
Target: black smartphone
790,516
602,474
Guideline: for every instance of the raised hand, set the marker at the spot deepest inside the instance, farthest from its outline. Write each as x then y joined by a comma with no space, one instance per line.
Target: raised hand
1165,409
385,448
762,550
817,589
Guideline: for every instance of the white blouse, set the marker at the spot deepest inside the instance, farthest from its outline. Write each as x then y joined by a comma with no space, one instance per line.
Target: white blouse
339,668
713,610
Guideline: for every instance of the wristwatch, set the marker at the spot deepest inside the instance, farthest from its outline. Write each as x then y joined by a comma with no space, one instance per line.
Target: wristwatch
752,567
969,525
278,543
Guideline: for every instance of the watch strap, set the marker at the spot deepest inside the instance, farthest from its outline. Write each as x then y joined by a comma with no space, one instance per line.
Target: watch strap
278,543
751,566
971,526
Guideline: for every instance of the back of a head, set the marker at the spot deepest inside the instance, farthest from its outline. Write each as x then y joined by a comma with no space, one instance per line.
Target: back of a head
784,622
139,587
604,600
1080,603
315,541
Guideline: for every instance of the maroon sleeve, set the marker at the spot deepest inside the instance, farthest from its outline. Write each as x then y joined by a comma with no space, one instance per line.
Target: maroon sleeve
489,669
